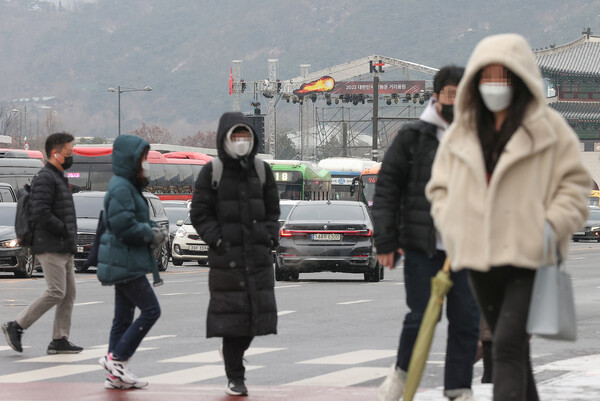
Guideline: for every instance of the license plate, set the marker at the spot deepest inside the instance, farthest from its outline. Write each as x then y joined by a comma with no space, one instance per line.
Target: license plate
327,237
198,247
579,233
79,249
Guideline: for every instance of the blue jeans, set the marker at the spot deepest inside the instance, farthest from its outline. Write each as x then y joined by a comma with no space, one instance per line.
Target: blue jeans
462,313
125,334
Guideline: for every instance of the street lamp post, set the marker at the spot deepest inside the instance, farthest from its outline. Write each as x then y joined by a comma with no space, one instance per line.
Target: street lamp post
120,90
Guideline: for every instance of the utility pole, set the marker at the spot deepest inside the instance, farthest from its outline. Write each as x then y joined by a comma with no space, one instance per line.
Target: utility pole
344,139
304,118
375,115
271,138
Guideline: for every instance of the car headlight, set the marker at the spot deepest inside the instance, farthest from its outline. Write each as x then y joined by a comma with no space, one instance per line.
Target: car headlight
180,232
9,244
595,228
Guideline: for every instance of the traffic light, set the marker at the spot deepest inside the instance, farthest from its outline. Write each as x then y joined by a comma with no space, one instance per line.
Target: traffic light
243,85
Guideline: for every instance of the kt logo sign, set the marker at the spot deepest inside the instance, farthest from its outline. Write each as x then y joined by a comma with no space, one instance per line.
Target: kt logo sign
376,67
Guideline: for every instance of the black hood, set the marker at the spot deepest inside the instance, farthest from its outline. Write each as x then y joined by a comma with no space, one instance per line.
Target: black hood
226,123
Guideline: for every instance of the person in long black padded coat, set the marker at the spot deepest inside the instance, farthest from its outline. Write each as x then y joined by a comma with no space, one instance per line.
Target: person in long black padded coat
238,220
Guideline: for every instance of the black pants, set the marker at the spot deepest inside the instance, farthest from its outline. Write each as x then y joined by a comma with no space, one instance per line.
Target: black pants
461,310
504,294
233,356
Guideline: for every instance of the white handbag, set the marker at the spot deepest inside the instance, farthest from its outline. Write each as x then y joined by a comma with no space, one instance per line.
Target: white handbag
552,307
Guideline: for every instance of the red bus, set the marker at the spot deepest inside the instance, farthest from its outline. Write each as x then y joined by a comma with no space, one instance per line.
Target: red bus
170,178
22,154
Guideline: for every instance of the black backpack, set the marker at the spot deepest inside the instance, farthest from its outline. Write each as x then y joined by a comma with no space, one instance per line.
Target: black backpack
23,227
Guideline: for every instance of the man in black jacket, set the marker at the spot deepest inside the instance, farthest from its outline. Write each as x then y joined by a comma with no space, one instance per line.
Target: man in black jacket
403,225
238,218
52,212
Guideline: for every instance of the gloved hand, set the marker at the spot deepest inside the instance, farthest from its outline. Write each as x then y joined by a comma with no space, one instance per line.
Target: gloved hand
160,236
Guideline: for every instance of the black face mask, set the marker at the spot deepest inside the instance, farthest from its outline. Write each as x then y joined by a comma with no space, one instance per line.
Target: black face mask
67,163
448,112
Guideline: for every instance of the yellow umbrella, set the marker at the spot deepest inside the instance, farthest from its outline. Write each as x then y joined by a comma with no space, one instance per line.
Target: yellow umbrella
440,285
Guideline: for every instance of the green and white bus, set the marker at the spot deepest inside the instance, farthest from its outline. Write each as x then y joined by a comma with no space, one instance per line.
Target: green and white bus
301,180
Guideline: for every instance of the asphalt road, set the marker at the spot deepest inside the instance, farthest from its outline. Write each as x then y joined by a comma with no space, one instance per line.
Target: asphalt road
334,330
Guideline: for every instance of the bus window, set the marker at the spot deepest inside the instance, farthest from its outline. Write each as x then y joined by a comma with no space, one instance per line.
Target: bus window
172,178
100,175
367,192
196,168
79,175
157,183
289,191
186,178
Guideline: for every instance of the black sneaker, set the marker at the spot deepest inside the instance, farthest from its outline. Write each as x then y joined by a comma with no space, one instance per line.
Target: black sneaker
236,387
62,346
13,334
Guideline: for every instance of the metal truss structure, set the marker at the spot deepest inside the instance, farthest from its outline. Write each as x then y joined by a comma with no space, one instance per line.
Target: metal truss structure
275,89
345,131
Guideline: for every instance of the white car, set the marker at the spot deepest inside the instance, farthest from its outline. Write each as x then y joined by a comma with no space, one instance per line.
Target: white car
187,245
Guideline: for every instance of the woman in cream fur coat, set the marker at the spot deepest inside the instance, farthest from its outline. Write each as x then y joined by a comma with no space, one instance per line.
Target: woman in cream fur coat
506,166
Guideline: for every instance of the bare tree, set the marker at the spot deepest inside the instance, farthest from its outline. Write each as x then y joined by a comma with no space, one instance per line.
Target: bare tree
153,134
8,118
201,140
53,123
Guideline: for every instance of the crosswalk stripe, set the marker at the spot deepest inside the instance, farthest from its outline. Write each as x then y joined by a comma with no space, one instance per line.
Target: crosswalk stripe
90,353
7,348
352,358
191,375
288,286
88,303
343,378
354,302
48,373
285,312
214,356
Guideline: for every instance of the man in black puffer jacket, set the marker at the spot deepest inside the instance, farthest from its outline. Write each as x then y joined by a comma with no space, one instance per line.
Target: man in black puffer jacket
403,225
52,212
238,220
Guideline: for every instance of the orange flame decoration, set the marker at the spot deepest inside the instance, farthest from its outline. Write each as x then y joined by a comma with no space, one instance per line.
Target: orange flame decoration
323,84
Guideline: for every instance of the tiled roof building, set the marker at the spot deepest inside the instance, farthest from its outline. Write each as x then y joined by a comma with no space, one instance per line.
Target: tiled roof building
574,71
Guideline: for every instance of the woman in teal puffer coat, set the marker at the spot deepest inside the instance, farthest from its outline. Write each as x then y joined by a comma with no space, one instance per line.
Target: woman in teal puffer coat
125,257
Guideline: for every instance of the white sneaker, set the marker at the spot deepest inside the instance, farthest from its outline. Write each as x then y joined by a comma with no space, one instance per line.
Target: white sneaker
114,383
120,370
392,387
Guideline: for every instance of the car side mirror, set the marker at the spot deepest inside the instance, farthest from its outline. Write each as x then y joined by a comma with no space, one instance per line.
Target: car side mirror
179,222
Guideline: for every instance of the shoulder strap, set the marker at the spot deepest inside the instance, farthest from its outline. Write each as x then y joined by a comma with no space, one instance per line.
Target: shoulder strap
217,172
261,171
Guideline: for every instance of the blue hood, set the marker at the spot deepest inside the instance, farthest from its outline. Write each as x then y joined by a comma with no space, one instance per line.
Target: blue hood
127,151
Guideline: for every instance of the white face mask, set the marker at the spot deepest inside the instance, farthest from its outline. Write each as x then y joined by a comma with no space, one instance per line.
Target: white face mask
146,169
496,97
241,148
